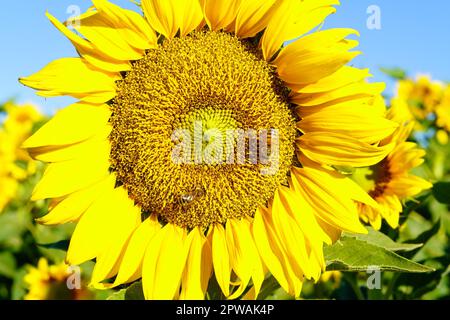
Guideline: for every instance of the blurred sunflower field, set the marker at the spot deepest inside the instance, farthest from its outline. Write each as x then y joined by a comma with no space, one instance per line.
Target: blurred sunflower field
94,206
29,268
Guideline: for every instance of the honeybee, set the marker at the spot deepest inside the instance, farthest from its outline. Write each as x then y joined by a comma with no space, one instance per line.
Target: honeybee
189,197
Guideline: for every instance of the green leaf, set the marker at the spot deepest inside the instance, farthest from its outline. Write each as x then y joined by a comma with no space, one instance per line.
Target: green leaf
118,295
7,264
60,245
53,241
11,236
423,284
38,125
135,292
19,288
441,192
350,254
395,73
424,237
381,240
269,289
416,203
214,291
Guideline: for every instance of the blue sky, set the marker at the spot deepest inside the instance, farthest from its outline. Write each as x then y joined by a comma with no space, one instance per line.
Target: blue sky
414,35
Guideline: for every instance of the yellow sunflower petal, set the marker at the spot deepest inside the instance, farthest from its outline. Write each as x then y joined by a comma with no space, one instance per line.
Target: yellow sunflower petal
341,78
258,268
340,150
220,14
332,204
333,233
315,56
162,16
169,16
391,209
237,260
73,77
131,266
292,238
66,177
302,213
253,16
191,16
271,252
244,259
92,55
124,218
74,205
342,182
73,151
354,90
111,215
405,157
109,34
355,192
131,25
68,120
369,215
198,267
293,19
352,119
408,186
221,259
164,263
268,249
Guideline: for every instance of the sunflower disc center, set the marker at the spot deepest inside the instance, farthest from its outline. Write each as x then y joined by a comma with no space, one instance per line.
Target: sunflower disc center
374,179
209,126
214,80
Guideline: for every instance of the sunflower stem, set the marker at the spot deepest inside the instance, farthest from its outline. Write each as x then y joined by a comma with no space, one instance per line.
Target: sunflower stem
390,290
352,280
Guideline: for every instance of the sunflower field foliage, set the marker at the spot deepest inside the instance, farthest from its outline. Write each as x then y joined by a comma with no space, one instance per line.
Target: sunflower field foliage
106,200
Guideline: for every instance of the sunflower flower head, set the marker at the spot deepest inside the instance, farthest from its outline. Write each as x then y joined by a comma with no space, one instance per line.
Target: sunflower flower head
427,103
391,182
49,282
202,144
20,120
443,117
422,95
16,164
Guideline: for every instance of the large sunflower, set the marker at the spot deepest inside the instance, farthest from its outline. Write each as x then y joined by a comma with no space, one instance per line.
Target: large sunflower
222,63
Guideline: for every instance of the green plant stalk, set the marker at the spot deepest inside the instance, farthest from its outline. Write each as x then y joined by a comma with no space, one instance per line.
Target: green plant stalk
352,280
